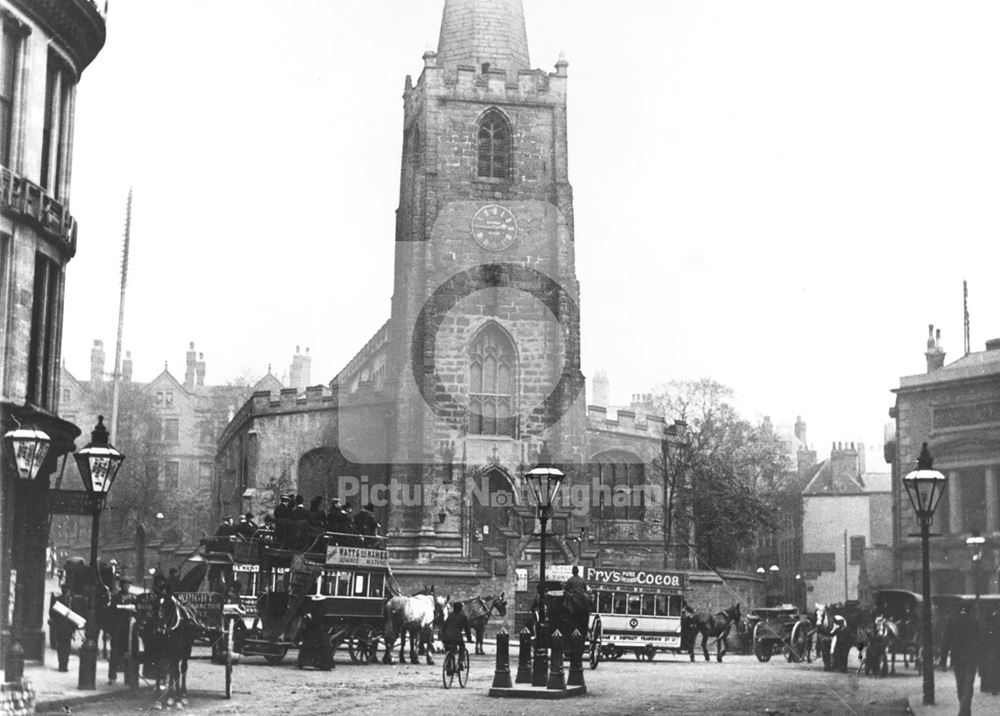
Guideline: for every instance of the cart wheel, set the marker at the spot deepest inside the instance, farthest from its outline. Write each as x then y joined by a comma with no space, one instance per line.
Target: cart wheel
797,645
596,637
229,660
650,652
761,646
359,644
613,652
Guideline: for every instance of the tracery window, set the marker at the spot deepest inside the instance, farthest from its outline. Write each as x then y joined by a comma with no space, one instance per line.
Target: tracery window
492,377
494,145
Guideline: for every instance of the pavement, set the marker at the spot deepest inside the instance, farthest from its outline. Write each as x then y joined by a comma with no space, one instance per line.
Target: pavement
946,699
56,690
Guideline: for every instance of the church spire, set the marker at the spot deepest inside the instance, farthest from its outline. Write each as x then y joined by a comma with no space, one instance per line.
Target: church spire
480,32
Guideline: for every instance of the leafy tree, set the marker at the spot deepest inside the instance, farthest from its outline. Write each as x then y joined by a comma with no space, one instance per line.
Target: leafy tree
717,484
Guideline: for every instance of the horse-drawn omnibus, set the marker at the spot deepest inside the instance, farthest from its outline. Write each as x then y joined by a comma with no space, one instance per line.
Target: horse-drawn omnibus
640,609
339,581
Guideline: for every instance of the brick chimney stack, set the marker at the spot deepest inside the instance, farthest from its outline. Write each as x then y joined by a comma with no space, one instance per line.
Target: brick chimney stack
199,370
97,363
844,463
127,367
189,369
800,430
934,354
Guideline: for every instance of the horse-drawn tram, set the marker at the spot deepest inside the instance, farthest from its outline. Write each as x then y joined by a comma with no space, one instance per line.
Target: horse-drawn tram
332,592
640,610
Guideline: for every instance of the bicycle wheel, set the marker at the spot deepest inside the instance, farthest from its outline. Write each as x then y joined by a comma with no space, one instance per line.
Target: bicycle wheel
448,670
463,670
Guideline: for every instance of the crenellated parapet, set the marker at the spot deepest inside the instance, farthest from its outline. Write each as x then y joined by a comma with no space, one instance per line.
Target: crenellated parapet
626,423
265,403
493,86
366,370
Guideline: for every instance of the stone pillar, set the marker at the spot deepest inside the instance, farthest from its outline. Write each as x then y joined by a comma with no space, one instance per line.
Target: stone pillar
31,528
954,503
991,498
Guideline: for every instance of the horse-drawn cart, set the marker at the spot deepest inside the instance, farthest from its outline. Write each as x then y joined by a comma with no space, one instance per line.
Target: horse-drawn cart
777,630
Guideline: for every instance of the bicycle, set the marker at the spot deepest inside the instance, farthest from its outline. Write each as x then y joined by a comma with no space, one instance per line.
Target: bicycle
455,665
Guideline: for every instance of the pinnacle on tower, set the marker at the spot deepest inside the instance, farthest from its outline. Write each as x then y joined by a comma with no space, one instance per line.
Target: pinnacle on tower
485,34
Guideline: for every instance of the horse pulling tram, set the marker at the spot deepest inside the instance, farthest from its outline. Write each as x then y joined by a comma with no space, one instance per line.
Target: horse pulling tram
777,630
285,599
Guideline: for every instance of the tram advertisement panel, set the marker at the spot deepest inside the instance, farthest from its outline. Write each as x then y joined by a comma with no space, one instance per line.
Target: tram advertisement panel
670,582
207,606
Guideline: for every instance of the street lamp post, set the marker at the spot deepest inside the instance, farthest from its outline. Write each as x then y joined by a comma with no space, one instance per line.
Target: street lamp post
98,464
545,480
975,545
28,448
924,486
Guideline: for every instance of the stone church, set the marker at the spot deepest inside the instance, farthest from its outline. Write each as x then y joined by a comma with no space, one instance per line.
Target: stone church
477,370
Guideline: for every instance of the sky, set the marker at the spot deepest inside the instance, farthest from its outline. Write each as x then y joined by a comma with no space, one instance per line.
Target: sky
778,195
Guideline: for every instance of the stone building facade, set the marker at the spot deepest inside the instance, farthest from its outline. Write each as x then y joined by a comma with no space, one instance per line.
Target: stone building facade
45,45
477,370
955,409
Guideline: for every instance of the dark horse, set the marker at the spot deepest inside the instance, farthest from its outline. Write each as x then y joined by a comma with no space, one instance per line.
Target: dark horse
711,625
563,611
478,611
168,632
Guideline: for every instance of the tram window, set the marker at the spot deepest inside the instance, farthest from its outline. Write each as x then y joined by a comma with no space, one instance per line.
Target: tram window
377,581
661,605
604,602
344,584
647,604
619,606
329,583
634,603
360,585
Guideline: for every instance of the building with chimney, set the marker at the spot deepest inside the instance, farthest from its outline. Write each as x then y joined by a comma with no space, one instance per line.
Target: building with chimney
475,376
955,409
45,45
846,516
189,415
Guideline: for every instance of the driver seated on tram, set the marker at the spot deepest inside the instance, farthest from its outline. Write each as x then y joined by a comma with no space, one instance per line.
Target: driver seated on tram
454,628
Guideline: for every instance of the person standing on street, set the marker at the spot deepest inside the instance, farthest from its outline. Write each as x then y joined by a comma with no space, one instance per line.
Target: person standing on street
62,627
964,642
120,619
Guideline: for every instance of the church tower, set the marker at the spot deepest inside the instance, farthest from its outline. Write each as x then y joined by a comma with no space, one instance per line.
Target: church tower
484,361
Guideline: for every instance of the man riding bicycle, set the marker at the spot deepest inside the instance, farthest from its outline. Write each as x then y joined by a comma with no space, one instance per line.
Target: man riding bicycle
453,630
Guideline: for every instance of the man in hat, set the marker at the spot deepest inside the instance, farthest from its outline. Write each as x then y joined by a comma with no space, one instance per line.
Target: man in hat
364,522
283,519
337,521
964,641
119,627
62,627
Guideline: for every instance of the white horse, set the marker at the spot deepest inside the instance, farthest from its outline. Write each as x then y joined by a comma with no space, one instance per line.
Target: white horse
416,616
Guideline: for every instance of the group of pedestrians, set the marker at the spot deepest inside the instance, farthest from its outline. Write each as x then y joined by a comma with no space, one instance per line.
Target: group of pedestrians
294,526
973,647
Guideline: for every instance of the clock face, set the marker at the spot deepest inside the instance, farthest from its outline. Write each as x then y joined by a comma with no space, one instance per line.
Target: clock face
494,227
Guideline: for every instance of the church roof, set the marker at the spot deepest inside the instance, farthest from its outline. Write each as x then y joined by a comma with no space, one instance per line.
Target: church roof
475,32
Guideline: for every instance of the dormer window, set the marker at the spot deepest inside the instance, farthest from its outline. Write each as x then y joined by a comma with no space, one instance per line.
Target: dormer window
494,145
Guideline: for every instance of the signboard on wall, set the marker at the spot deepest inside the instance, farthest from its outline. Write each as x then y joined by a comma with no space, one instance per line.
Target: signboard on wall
819,562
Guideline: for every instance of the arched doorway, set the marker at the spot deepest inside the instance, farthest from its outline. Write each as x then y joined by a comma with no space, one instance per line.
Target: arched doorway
492,500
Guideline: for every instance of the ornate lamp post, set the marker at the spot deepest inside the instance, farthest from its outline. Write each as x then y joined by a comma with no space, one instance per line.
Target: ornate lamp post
98,464
545,480
28,448
924,486
975,545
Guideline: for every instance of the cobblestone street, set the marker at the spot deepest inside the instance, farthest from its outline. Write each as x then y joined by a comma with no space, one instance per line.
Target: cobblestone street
741,685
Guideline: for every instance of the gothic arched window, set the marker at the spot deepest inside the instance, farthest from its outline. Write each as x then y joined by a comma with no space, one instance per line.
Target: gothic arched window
620,478
494,145
492,378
